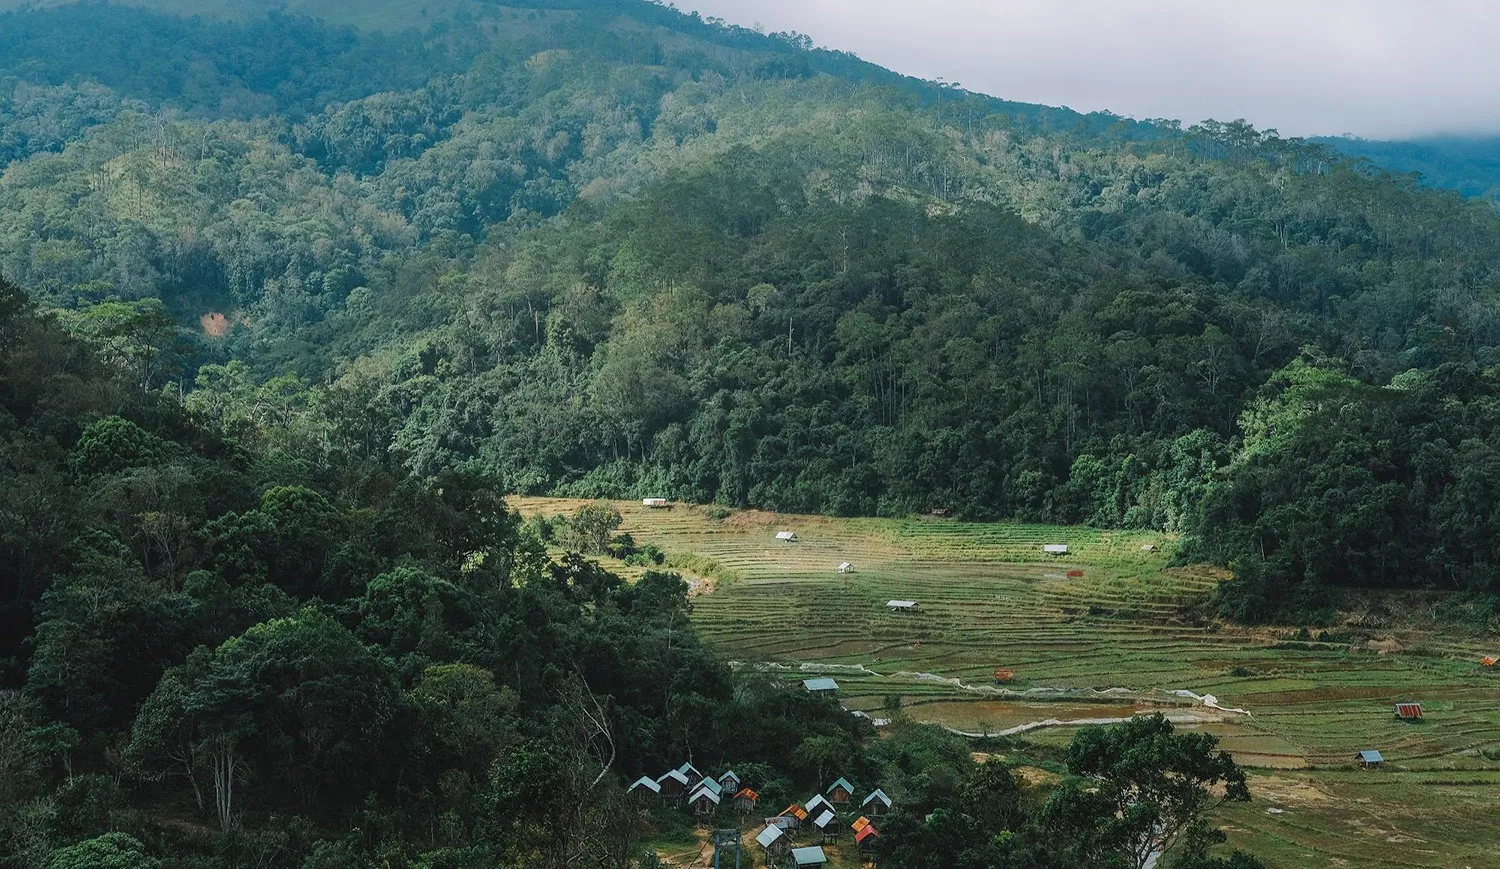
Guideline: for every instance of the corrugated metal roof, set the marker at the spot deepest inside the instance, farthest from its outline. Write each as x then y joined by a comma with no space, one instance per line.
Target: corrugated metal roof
1371,757
877,794
840,783
688,767
813,856
860,824
820,684
646,782
748,794
702,792
796,811
868,831
711,785
825,819
768,836
812,804
901,604
673,774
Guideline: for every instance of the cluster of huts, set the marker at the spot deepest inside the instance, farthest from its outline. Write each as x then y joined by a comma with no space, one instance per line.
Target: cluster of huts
822,818
826,815
704,795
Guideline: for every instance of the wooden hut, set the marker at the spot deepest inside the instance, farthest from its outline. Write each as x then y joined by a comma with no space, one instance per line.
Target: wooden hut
673,783
902,606
876,804
840,792
828,824
776,843
691,773
791,818
817,805
1409,711
1370,759
744,800
645,786
705,800
729,780
786,536
867,838
656,503
846,567
813,856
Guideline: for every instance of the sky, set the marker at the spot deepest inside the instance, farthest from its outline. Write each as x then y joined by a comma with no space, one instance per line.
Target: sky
1373,68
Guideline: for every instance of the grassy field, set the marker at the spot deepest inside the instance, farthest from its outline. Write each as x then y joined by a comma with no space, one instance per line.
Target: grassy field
1110,643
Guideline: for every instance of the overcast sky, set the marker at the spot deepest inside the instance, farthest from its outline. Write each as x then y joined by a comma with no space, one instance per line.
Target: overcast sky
1377,68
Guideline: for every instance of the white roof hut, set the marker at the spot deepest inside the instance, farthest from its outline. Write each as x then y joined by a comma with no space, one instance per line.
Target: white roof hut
654,502
1056,549
788,536
902,606
846,567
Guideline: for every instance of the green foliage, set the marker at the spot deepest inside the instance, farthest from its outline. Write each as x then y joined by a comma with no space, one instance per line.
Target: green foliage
109,851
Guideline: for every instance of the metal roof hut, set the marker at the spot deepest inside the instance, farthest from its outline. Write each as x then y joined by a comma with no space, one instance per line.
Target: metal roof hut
902,606
840,792
729,780
877,803
704,800
645,785
787,536
1370,759
813,856
846,567
691,773
822,685
828,824
655,503
776,843
744,800
1409,711
791,818
673,783
818,804
859,823
867,837
1055,548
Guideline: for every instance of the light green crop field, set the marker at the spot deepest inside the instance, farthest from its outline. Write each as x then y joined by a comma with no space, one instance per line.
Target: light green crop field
1107,644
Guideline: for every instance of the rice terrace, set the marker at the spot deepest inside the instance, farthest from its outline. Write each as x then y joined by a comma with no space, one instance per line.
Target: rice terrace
1100,633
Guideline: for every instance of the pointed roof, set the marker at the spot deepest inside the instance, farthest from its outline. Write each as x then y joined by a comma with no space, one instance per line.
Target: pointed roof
877,794
729,773
813,856
674,774
818,800
868,831
828,817
841,783
746,793
646,782
1371,757
795,811
768,836
688,767
702,792
711,785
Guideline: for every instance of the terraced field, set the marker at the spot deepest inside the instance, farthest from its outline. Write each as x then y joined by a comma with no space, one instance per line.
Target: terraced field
1107,644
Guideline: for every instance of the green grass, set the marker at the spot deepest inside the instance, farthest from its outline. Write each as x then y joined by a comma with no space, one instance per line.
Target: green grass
990,598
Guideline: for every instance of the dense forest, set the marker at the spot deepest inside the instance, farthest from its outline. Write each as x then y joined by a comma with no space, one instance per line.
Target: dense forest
300,301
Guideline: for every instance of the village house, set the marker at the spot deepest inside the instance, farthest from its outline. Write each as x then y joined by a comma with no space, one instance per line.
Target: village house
867,838
840,792
902,606
645,785
744,800
705,800
691,773
846,567
790,819
876,804
818,804
776,842
828,824
673,783
787,536
813,856
1370,759
820,686
729,780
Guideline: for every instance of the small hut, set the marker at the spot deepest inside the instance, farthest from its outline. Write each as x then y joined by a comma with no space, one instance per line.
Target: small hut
1149,547
817,805
645,786
1004,676
790,819
776,843
656,503
820,686
1370,759
704,800
859,823
787,536
867,837
673,783
902,606
840,792
846,567
813,856
876,804
745,799
828,824
690,773
1409,711
729,780
1488,662
1056,549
